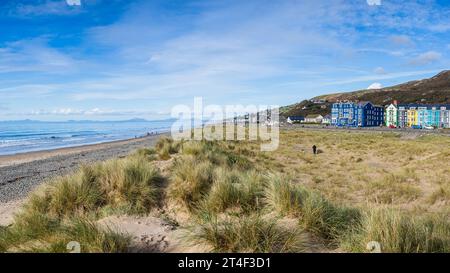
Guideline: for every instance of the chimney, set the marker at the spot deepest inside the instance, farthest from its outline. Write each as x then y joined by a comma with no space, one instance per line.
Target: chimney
395,102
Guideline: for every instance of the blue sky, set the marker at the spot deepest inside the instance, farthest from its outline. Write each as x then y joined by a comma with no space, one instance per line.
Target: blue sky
113,59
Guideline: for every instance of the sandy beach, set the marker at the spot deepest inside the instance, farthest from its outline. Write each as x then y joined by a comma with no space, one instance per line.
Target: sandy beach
21,173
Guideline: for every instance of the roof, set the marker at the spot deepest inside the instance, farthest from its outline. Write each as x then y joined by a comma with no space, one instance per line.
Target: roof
296,118
313,116
393,104
359,103
428,106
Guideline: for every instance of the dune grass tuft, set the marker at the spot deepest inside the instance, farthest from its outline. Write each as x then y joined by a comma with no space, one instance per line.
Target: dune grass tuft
131,183
165,147
233,189
315,213
282,196
148,153
252,233
54,211
324,218
190,181
216,153
397,232
38,233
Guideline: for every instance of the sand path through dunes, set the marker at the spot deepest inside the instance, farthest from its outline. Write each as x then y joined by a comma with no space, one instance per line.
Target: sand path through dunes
151,234
8,210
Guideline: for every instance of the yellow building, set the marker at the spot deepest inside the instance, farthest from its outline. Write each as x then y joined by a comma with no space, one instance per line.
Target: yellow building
413,117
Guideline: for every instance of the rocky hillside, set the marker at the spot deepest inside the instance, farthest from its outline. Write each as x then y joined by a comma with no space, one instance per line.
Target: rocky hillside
427,91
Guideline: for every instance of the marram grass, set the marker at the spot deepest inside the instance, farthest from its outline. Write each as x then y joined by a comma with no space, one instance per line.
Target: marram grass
65,209
237,201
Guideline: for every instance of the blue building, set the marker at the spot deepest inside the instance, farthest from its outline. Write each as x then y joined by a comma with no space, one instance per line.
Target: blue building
357,114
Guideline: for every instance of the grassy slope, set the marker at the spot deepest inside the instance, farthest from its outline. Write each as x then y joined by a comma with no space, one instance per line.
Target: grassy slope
231,197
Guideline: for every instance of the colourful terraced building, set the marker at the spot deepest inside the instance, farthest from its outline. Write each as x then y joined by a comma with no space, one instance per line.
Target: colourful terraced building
417,115
356,114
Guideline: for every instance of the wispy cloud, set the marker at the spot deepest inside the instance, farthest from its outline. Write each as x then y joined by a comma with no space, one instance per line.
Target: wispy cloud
30,91
426,58
401,40
91,112
73,2
395,53
34,55
369,78
47,7
379,70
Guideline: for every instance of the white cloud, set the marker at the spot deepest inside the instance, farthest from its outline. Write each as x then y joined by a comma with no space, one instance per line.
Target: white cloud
426,58
374,2
91,112
44,8
375,85
379,70
395,53
73,2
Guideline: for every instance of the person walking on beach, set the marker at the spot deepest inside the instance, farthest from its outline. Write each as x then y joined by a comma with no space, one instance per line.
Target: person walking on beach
314,147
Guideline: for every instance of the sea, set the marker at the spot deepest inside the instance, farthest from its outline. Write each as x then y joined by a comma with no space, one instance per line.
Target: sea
29,136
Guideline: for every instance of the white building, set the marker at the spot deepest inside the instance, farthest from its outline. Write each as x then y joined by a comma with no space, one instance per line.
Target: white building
313,119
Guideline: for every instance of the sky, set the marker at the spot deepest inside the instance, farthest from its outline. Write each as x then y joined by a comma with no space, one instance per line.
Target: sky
114,59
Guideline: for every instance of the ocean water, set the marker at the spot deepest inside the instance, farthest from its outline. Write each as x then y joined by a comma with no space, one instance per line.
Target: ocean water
27,136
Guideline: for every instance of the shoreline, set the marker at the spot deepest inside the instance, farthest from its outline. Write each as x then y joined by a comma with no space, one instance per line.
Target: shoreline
20,174
24,157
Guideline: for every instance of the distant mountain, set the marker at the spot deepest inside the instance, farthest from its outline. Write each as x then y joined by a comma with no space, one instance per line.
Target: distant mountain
435,90
135,120
20,121
108,121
